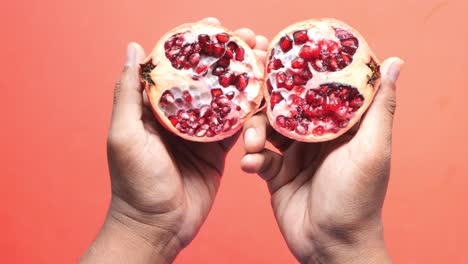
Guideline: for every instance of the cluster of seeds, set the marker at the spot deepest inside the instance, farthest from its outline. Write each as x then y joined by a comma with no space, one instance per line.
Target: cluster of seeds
316,110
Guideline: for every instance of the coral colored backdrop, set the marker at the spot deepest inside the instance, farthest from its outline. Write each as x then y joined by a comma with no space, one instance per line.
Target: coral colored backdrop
59,61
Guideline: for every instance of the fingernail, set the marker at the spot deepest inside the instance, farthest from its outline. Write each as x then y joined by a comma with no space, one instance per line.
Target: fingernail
131,55
394,70
251,133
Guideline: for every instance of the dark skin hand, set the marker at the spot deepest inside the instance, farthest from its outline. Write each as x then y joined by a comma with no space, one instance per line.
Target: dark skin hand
163,187
328,197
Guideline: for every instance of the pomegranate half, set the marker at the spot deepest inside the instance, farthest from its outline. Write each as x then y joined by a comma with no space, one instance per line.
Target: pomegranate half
320,77
202,82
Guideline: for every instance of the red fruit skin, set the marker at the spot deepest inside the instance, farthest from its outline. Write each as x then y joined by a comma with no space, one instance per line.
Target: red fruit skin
165,76
356,74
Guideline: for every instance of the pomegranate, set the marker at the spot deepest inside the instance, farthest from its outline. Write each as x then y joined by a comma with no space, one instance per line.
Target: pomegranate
320,78
202,82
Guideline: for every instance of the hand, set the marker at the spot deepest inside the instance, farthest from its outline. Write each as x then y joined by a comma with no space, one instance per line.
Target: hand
327,197
162,186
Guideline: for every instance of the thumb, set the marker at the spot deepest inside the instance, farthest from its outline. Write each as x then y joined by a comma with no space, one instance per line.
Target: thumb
128,98
376,125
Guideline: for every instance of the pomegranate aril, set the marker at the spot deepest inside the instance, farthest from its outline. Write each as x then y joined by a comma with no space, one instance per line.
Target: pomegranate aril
183,115
173,119
218,71
298,80
203,38
173,52
276,97
318,131
216,92
298,63
300,37
285,43
224,62
208,48
240,53
225,79
230,95
289,83
280,78
194,59
222,37
356,103
350,45
200,132
301,129
205,110
242,81
310,96
218,50
187,96
281,121
342,34
343,123
186,49
167,97
309,53
275,64
202,70
269,86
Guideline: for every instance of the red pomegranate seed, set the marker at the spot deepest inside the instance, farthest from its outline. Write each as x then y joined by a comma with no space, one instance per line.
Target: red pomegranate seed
230,95
225,79
356,103
224,62
242,81
285,43
281,121
310,96
203,38
196,47
240,54
318,131
222,37
276,97
183,115
298,63
300,37
298,80
228,53
173,52
275,65
301,129
238,108
205,110
202,69
218,50
174,120
186,49
280,78
350,45
269,86
208,48
218,71
309,53
194,59
167,97
216,92
187,96
289,83
342,34
200,132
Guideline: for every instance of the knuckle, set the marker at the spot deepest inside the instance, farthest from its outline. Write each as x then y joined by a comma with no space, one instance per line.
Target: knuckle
390,104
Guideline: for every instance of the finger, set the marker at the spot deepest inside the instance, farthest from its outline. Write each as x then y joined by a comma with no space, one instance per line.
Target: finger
210,21
261,55
261,43
128,97
266,164
255,130
376,125
246,35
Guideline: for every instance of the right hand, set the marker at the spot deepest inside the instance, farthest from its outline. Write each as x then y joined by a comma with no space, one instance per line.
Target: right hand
327,197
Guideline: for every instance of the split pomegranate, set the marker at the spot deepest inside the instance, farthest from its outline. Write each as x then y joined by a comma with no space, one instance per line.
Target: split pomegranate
202,82
321,77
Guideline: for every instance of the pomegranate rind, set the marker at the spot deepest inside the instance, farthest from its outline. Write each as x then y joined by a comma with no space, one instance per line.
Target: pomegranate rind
165,76
357,74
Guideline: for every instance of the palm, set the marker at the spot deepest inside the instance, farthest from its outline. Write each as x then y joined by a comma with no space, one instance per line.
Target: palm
322,192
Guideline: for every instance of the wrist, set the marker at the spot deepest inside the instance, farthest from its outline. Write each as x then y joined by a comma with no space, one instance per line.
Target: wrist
123,239
364,245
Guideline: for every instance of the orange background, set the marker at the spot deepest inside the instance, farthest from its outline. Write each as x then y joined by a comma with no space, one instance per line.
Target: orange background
60,60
